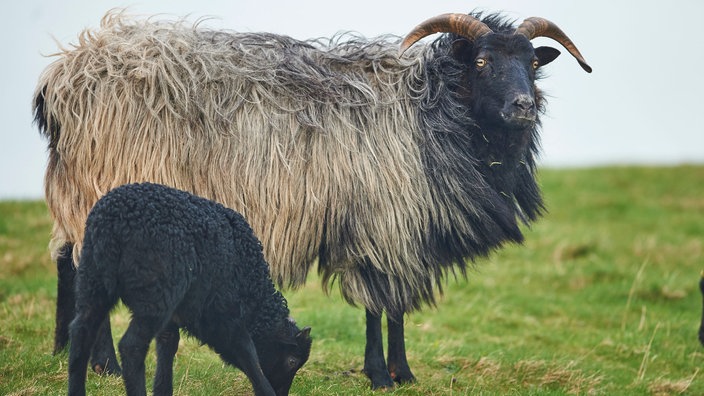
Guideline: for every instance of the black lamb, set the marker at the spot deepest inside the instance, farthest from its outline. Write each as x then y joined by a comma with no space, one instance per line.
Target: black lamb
180,261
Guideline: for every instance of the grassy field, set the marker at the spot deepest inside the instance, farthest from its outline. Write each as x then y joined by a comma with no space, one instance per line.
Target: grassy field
601,299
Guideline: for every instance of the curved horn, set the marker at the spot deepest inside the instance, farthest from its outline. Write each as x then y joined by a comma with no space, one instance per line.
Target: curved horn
539,27
461,24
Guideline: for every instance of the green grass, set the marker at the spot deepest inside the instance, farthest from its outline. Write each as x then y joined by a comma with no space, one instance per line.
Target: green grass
601,299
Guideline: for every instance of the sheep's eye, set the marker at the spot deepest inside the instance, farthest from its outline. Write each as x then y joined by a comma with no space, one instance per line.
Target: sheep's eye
292,362
480,62
536,64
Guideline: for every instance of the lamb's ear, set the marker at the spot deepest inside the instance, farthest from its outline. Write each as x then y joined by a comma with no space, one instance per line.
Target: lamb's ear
304,334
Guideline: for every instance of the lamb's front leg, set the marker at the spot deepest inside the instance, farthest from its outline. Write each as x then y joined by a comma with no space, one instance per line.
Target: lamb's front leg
374,363
240,351
397,362
166,347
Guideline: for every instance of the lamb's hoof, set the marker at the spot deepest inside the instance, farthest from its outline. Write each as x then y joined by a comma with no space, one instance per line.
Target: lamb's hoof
107,369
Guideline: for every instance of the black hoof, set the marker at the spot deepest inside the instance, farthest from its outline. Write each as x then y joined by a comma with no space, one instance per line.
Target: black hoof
59,346
380,380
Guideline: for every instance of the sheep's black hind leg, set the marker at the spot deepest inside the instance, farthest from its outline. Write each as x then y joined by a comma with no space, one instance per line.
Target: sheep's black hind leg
397,362
374,363
133,350
103,359
166,347
65,297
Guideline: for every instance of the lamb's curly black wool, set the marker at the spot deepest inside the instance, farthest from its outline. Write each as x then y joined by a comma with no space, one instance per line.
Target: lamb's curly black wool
181,261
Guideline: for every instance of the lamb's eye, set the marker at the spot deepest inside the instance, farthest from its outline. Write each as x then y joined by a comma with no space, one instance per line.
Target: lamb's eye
292,362
536,64
480,62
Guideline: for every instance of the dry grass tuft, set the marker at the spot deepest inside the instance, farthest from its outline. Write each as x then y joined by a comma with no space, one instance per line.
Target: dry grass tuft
669,387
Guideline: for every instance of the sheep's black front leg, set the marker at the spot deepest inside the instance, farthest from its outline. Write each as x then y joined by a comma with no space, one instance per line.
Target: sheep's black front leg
103,359
166,347
65,297
397,362
374,363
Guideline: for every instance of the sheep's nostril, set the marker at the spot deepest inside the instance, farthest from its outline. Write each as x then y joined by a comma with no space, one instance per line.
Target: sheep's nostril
524,102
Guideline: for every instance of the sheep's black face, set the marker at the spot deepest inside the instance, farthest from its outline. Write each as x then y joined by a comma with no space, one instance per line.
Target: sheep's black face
501,72
281,357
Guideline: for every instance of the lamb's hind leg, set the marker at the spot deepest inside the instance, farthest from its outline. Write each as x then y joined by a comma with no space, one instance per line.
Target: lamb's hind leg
103,359
83,331
133,350
166,347
397,362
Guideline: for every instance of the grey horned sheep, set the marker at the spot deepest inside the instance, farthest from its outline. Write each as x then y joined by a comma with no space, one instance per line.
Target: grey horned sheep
392,172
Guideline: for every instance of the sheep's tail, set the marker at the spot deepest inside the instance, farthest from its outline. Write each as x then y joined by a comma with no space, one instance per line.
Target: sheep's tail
701,326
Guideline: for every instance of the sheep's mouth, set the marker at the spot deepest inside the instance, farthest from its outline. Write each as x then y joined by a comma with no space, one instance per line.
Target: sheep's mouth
518,119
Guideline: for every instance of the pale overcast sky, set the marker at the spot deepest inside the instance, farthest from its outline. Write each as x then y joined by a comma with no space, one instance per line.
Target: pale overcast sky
641,105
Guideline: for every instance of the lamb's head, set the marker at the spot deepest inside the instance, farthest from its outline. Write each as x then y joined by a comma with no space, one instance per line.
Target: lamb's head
283,354
501,67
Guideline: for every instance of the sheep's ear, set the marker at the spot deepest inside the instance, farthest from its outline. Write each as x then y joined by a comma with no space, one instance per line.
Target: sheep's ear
546,55
304,334
462,50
